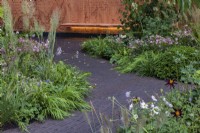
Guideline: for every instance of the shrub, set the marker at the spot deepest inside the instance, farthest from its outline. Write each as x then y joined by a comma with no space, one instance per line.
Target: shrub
172,60
143,64
168,64
101,47
155,17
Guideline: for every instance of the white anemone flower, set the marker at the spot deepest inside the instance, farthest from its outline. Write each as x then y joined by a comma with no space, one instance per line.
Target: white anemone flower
130,106
154,98
128,93
143,105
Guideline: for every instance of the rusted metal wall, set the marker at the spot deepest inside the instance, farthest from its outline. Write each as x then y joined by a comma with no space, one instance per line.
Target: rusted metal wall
71,11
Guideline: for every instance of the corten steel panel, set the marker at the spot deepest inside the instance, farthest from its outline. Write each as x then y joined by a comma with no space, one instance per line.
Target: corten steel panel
71,11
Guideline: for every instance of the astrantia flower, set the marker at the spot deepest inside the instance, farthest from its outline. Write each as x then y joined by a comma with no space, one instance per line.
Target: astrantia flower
59,51
21,40
128,93
153,98
2,51
171,83
36,49
177,113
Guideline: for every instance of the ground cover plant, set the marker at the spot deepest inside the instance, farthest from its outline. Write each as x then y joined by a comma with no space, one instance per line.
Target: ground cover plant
33,86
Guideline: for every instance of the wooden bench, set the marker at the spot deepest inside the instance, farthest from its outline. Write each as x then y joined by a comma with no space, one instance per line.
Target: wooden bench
92,28
90,25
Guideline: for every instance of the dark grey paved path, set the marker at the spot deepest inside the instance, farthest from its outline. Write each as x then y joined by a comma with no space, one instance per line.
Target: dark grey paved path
108,83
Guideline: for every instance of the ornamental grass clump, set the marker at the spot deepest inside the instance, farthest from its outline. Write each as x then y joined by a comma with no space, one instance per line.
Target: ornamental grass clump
52,34
28,10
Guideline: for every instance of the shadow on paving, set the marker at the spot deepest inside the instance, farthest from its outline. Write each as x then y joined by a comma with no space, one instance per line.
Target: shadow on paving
108,83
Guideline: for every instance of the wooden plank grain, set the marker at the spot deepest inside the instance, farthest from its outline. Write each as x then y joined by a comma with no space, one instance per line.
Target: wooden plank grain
81,13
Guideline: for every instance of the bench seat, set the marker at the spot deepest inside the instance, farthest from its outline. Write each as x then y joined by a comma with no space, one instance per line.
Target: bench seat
90,25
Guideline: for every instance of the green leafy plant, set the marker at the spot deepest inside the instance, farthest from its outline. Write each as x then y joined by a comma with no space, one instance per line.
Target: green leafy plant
190,74
171,61
101,47
149,18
